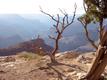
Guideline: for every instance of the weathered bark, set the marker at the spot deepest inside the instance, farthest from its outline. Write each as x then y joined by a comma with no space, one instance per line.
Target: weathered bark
53,60
96,61
52,55
100,61
99,70
98,66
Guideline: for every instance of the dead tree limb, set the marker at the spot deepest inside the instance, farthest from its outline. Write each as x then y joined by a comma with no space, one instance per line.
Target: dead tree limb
87,35
60,26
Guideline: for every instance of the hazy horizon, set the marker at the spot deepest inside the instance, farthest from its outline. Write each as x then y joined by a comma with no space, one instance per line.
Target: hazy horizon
32,6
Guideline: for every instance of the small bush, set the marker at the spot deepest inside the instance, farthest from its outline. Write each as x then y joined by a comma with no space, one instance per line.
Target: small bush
29,56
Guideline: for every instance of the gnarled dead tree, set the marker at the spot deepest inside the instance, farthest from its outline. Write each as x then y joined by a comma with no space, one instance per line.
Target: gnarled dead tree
96,10
61,24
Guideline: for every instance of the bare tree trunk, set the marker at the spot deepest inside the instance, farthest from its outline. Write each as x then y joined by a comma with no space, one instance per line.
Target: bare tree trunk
100,61
52,55
99,70
98,66
53,60
60,26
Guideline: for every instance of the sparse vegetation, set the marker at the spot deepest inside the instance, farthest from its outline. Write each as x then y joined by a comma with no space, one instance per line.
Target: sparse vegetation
67,69
28,56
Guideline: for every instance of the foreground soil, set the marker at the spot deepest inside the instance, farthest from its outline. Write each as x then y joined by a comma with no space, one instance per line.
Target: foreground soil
70,66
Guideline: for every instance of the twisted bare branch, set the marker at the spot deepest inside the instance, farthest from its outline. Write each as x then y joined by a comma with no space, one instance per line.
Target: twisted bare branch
60,26
51,37
87,35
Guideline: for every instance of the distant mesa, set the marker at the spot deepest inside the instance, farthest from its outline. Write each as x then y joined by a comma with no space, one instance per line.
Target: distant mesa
36,46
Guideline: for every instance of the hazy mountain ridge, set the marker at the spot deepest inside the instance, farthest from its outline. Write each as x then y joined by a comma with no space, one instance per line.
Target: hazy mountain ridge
15,24
27,29
9,41
75,42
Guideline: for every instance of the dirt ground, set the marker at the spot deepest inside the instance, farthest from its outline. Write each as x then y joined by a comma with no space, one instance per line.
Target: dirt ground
70,67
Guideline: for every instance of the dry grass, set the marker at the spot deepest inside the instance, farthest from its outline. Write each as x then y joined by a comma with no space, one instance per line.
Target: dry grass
28,56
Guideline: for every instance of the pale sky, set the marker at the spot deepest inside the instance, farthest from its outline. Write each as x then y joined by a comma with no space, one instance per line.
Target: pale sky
32,6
